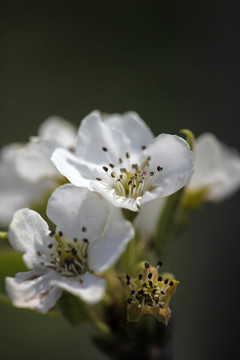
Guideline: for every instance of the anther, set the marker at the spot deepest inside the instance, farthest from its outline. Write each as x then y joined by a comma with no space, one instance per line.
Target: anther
120,160
86,241
104,148
149,304
74,251
161,306
171,283
39,253
143,147
84,229
105,168
50,246
159,168
159,263
150,275
163,293
132,292
60,233
52,233
159,278
147,266
128,277
99,179
151,173
113,175
150,283
166,281
129,301
127,155
140,276
130,182
111,165
140,292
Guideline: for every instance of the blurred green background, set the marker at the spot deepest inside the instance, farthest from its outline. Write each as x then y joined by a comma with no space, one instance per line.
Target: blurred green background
177,64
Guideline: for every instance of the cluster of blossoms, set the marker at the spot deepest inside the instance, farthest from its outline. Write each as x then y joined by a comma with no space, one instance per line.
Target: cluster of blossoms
113,163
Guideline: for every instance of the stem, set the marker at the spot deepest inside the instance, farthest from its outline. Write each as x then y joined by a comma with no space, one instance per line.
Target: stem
167,220
98,323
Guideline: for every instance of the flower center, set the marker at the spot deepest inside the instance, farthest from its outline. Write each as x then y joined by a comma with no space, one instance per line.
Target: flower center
68,257
148,289
130,181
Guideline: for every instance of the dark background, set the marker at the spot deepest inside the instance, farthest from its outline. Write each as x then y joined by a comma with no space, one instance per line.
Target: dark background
177,64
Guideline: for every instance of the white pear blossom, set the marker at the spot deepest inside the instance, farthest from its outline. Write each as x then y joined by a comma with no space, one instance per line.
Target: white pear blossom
217,169
27,174
119,158
88,239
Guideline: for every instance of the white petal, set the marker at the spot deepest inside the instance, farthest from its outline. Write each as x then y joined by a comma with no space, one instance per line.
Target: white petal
33,162
104,252
146,221
27,234
217,167
112,197
133,127
57,128
73,208
94,135
16,191
172,153
33,290
88,287
70,167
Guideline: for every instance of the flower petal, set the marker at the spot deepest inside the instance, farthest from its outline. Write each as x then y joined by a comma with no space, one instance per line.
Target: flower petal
146,221
70,167
33,162
104,252
112,197
74,209
57,128
27,234
172,153
33,290
88,287
217,167
98,143
134,127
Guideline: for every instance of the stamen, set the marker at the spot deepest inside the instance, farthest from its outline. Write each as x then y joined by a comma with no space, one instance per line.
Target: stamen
159,168
111,165
143,147
104,148
105,168
99,179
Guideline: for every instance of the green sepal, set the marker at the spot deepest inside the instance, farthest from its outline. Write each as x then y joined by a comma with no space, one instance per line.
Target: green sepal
195,199
73,309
